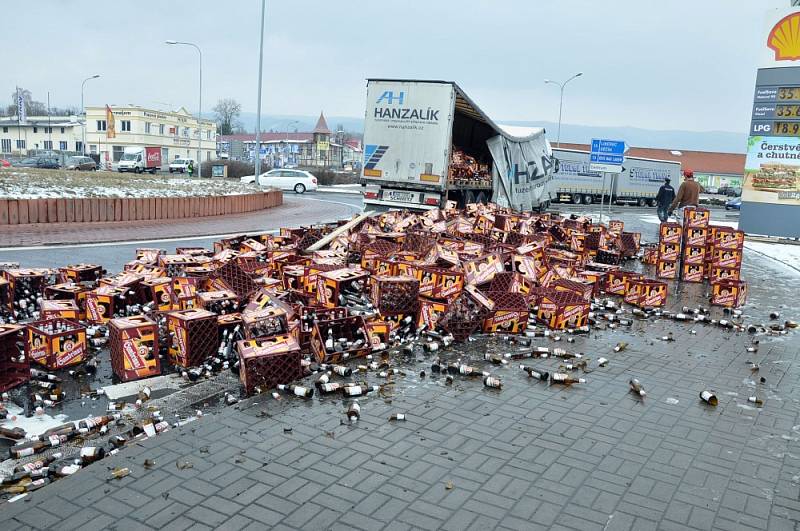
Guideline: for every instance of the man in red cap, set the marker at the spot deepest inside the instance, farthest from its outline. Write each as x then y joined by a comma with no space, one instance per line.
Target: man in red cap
688,193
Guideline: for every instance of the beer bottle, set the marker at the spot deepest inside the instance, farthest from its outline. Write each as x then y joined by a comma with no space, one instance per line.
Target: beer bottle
330,387
38,464
354,412
566,379
636,387
602,362
323,379
397,416
297,390
12,433
756,400
359,390
492,381
535,373
90,454
28,448
620,346
709,397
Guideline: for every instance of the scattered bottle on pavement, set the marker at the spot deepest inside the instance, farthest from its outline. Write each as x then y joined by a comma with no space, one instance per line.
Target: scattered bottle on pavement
636,387
709,397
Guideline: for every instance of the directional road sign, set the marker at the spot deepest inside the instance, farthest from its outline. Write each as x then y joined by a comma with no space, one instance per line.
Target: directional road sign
607,155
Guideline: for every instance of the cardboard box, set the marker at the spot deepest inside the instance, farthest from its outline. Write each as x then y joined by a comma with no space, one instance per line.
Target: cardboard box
134,348
56,343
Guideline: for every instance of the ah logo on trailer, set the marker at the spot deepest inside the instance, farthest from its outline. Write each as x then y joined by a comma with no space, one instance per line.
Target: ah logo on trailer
389,96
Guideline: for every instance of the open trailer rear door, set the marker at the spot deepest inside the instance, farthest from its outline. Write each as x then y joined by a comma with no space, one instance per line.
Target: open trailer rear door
523,171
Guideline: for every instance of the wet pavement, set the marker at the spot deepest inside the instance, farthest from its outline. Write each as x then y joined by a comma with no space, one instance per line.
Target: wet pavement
527,456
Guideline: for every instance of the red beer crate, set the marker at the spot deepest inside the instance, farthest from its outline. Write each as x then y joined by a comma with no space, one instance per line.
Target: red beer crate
483,269
268,361
696,217
69,291
65,309
582,289
667,269
269,321
434,282
618,281
731,258
509,314
184,293
158,292
81,273
650,256
631,242
15,367
194,336
670,252
103,302
560,310
218,302
56,343
726,237
394,294
695,236
647,293
352,329
724,273
729,293
227,323
237,280
616,225
466,313
134,347
694,255
331,284
692,272
176,264
430,311
669,232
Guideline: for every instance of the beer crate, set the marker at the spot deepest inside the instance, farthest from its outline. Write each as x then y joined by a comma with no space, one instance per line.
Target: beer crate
184,293
729,258
509,314
511,282
531,267
351,329
647,293
696,217
577,242
268,361
65,309
667,269
394,294
597,279
729,293
582,289
726,237
608,257
442,256
631,242
269,321
134,347
219,302
466,313
695,236
77,273
378,332
312,273
103,302
55,343
694,255
430,311
670,232
149,255
237,280
69,291
194,336
483,269
434,282
198,272
175,264
261,299
194,251
724,273
560,310
32,281
332,284
293,277
130,283
692,272
15,367
650,256
616,225
226,324
618,281
158,292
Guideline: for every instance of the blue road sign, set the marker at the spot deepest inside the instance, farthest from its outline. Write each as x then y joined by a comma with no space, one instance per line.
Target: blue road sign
607,151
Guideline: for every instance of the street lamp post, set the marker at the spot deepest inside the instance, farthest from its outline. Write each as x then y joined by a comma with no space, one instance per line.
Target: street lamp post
258,104
561,102
83,112
200,108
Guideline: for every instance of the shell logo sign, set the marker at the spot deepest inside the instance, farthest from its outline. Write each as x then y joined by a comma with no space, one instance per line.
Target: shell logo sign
784,38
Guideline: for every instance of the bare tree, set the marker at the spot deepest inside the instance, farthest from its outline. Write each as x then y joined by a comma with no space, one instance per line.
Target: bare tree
226,113
32,107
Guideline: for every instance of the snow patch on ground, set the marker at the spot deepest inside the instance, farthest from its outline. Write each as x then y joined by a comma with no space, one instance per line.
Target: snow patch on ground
787,254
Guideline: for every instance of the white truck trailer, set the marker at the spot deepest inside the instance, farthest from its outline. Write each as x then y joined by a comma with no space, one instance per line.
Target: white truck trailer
423,139
638,183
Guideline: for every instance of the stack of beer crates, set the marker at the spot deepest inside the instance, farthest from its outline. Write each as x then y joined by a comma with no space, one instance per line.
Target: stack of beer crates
725,250
695,236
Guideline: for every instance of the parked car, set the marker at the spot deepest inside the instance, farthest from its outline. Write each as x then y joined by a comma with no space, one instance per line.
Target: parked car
297,180
734,204
712,190
730,191
181,165
39,162
4,163
81,163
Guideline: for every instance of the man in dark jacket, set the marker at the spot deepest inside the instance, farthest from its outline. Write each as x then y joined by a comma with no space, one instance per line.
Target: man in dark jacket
664,199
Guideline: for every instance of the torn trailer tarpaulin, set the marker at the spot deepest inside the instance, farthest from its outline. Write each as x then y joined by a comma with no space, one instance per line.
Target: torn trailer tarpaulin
522,171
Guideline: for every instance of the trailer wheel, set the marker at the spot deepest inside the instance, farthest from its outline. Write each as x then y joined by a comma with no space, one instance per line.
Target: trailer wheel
576,199
137,170
587,199
642,202
652,203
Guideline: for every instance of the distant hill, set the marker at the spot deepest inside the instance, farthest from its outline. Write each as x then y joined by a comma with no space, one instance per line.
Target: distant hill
724,141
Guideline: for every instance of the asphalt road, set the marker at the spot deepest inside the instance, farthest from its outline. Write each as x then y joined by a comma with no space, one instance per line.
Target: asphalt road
113,256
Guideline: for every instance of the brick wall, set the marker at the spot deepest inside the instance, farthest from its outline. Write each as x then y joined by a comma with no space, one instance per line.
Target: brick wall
22,211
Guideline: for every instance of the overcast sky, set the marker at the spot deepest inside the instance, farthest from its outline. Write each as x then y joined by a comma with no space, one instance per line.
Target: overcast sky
682,64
